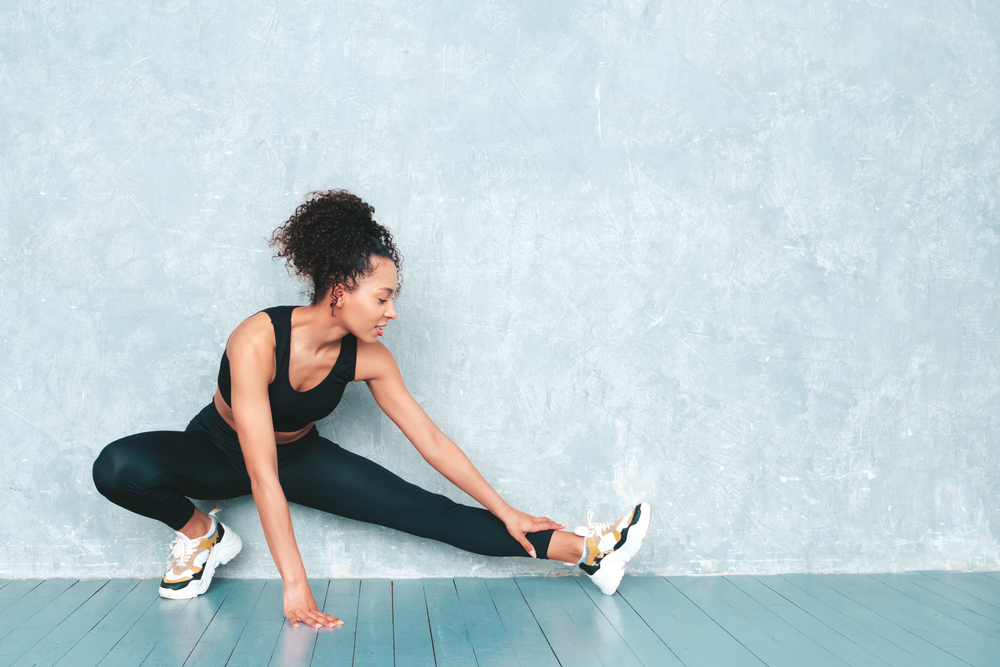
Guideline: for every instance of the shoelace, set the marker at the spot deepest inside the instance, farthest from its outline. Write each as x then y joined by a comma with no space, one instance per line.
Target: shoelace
181,549
593,529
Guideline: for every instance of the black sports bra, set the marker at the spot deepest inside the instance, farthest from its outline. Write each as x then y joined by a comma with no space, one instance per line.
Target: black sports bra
292,410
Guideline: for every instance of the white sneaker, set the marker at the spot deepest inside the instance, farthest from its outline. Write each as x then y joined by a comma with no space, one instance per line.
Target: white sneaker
194,561
608,546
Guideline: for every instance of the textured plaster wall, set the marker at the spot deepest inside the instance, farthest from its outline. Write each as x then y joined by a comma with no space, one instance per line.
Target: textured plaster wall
738,259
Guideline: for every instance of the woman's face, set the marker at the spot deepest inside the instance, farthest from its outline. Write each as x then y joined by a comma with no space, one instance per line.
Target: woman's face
368,308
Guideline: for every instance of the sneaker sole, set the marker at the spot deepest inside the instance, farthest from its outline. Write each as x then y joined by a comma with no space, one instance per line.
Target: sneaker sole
608,577
613,566
220,555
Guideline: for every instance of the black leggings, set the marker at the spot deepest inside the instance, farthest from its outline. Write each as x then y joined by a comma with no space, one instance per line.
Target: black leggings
154,473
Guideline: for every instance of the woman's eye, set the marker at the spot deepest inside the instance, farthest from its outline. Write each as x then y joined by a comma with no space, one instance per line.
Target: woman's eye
381,300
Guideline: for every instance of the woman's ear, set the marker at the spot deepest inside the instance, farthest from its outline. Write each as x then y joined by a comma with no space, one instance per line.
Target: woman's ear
337,294
333,297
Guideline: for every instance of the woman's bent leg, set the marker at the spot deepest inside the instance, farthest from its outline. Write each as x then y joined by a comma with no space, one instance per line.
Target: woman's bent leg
154,473
326,477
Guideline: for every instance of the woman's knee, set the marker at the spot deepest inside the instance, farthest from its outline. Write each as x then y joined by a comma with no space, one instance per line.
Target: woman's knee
115,468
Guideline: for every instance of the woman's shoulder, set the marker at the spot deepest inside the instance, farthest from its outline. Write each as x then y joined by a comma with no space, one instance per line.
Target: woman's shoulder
255,333
374,360
264,321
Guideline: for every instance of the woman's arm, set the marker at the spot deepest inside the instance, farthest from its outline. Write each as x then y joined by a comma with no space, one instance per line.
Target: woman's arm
378,368
251,361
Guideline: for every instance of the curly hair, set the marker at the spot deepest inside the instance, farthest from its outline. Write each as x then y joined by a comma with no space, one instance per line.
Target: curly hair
332,239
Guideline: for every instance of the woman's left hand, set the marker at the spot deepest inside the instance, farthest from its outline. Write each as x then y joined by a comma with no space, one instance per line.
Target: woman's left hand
519,524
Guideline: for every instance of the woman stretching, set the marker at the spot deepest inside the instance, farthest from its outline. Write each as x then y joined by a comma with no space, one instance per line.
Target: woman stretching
285,368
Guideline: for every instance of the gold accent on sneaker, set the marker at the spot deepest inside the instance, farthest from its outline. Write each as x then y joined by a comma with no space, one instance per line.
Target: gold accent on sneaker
190,556
195,560
609,546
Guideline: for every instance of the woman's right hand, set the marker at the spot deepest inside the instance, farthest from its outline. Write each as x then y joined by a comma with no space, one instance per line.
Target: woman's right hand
300,607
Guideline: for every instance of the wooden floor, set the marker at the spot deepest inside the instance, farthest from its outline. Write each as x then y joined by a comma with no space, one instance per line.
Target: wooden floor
931,618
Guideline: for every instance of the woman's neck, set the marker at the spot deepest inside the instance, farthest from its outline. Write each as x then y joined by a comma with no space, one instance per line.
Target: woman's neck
316,327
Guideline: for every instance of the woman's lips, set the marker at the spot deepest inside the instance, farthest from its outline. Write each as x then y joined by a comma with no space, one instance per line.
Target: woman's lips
380,330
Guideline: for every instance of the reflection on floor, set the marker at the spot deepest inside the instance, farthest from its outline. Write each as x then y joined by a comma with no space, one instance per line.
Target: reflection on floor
929,618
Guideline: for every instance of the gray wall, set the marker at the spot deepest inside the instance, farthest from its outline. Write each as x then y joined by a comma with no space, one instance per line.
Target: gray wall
739,260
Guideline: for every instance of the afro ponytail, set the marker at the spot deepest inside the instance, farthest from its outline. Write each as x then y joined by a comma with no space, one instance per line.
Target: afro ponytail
332,239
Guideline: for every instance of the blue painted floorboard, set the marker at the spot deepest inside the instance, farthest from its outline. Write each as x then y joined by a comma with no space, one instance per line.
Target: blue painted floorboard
836,614
411,625
876,618
34,628
951,636
794,616
335,646
492,646
576,629
260,635
65,632
529,642
771,639
373,642
219,639
936,619
110,629
295,646
690,632
449,631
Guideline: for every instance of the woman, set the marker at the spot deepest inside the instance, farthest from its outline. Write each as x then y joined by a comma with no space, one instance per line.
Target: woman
282,370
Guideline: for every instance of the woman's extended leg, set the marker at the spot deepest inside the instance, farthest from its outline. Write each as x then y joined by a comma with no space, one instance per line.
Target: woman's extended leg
327,477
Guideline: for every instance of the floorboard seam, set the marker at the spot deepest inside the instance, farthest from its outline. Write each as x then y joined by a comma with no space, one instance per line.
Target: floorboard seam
472,644
923,604
506,630
827,625
326,594
392,616
144,658
430,628
23,619
795,629
128,630
84,636
716,622
867,619
205,629
941,581
740,612
652,629
916,582
42,638
540,628
244,628
18,598
889,620
877,634
624,641
357,613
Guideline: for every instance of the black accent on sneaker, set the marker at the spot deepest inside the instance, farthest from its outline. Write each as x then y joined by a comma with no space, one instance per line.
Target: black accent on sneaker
177,585
635,519
591,569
